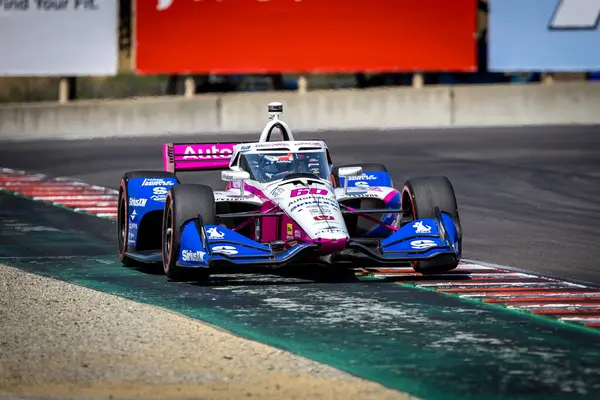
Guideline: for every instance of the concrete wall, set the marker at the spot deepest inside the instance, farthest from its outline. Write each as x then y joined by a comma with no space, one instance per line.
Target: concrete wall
560,103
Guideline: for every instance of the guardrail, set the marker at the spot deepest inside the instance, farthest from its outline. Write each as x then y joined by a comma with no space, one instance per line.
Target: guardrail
430,106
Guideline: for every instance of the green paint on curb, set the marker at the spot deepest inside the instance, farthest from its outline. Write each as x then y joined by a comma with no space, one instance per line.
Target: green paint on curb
416,341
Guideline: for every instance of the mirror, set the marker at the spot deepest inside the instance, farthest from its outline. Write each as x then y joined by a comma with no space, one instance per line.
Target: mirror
345,172
350,171
231,176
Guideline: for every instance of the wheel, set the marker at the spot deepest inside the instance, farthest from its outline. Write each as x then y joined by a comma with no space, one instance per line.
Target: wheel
122,213
183,203
420,197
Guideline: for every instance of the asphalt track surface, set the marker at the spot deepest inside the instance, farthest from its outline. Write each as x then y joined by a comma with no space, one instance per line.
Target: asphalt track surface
528,197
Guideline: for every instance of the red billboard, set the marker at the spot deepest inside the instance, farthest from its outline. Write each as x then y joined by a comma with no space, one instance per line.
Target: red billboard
294,36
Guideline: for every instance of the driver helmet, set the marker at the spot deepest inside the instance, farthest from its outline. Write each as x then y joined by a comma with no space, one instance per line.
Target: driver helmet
278,163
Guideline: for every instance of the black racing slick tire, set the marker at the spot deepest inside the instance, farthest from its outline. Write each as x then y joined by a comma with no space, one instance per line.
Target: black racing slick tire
185,202
420,198
122,230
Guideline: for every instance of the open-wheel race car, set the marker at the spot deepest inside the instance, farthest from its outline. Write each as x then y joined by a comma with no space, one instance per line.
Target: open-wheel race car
284,203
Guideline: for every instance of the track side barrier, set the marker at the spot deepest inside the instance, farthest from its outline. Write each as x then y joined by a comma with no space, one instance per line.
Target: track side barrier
405,107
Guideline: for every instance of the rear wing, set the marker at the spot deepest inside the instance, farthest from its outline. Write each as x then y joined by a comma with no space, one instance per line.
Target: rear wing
210,156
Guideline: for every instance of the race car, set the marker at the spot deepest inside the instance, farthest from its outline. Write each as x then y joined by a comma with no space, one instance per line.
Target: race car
285,203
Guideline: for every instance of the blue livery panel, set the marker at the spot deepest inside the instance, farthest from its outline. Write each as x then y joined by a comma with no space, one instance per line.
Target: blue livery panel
192,252
423,238
225,243
221,243
145,195
379,178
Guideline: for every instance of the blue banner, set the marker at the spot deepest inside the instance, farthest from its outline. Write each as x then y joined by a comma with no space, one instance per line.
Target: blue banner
544,35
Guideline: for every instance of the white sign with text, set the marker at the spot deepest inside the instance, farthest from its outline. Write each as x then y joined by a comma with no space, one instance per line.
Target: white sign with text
58,37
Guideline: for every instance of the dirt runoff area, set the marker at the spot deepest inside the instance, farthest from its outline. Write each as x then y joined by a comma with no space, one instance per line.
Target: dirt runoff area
59,340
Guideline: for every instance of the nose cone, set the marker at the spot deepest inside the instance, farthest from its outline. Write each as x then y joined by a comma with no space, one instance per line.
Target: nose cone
316,210
332,243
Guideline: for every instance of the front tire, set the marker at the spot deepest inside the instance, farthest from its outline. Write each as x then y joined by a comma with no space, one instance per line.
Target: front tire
420,197
123,211
185,202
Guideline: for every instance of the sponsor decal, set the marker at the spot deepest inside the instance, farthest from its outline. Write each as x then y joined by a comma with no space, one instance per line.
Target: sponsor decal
297,234
420,227
361,184
267,145
232,197
213,233
280,159
229,250
422,244
290,229
159,194
329,230
363,177
133,214
316,204
245,147
237,198
206,154
324,217
307,191
276,192
157,182
47,5
133,226
190,255
302,200
133,202
131,238
350,194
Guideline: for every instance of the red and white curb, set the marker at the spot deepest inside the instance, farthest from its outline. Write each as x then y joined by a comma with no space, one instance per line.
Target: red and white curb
64,192
494,284
516,290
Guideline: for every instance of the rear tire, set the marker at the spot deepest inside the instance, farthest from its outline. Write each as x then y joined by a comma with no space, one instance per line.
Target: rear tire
185,202
122,230
420,197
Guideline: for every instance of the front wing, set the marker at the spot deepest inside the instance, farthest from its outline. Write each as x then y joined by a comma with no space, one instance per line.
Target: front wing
216,246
